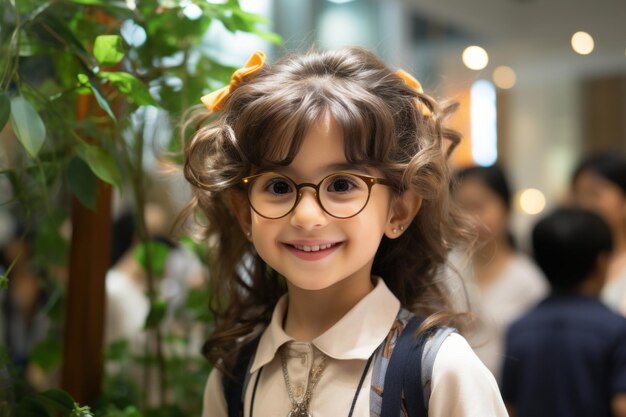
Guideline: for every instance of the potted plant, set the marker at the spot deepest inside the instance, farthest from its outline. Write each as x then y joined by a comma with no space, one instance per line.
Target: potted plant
80,82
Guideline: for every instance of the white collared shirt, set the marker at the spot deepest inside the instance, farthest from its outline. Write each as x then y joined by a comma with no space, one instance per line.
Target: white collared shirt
461,385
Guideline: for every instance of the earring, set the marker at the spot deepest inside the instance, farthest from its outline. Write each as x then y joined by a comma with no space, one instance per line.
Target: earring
401,228
249,234
394,230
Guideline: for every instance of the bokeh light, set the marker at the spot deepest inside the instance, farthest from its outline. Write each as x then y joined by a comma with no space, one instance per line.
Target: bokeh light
475,57
582,43
532,201
504,77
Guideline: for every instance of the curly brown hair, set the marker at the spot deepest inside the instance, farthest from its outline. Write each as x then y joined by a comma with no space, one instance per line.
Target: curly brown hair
385,126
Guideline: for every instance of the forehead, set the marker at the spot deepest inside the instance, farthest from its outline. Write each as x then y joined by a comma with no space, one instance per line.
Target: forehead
474,190
322,150
589,180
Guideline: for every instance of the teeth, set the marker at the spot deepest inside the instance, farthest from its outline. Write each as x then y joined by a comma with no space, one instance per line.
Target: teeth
314,248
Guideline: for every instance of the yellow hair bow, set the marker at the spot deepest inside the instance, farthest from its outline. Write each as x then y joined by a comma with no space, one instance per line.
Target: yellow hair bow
412,82
215,101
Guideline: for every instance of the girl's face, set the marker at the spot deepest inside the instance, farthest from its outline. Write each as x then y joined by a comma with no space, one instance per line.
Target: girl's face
353,241
486,207
595,193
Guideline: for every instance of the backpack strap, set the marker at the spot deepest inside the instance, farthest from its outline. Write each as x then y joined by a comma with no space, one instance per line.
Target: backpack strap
413,377
401,369
431,347
234,387
413,369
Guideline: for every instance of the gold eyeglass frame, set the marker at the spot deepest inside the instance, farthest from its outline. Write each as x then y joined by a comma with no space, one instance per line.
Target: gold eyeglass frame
369,181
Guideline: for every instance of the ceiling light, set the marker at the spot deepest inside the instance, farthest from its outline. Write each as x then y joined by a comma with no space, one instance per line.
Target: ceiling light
475,57
582,43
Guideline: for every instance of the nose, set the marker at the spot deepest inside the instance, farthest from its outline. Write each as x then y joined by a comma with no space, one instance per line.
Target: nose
308,214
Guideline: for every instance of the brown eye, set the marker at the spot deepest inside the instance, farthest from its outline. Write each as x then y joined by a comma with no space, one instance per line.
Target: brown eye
342,184
279,186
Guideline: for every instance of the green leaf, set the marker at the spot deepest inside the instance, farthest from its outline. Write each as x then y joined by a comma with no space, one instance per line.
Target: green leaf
27,46
84,81
157,312
33,406
198,306
59,398
250,18
117,350
5,109
28,126
4,282
83,84
102,102
132,411
79,411
272,37
50,247
130,86
56,32
82,182
155,253
90,2
101,163
47,354
109,49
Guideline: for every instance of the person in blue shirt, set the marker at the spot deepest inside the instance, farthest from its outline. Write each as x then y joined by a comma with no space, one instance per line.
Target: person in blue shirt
567,356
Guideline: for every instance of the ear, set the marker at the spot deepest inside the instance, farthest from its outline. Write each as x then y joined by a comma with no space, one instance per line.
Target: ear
602,267
241,208
403,210
595,280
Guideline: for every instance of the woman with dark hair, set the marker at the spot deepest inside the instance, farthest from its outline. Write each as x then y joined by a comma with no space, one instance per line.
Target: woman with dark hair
599,184
501,282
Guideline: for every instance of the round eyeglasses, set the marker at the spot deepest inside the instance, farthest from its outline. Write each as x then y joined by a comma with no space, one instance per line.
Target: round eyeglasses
341,195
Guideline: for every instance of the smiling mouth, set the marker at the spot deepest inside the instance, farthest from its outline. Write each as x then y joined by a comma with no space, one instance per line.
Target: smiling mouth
314,248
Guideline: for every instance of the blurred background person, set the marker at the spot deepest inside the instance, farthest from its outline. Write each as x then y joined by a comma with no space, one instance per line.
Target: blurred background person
501,282
567,357
24,321
599,184
128,304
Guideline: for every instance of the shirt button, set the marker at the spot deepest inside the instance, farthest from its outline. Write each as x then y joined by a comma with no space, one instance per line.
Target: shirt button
299,391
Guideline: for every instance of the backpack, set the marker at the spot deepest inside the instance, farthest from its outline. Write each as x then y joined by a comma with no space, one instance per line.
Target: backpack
400,374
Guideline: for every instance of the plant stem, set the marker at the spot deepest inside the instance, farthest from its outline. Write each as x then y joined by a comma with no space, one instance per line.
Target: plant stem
137,176
13,54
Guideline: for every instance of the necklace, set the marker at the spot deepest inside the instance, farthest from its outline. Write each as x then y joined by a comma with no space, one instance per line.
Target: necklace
356,393
301,409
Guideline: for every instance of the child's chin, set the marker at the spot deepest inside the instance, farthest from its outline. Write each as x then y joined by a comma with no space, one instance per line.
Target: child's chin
310,284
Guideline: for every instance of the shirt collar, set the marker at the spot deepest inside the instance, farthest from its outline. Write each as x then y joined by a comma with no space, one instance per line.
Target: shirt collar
355,336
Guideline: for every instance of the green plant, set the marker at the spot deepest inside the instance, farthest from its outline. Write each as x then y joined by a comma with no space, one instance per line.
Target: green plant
79,83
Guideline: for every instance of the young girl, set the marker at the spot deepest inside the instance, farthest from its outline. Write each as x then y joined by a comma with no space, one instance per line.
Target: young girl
325,187
599,184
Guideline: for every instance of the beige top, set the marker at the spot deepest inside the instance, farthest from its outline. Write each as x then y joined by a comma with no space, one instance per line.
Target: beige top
519,288
461,384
